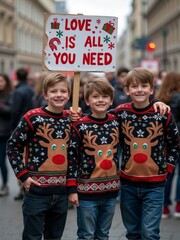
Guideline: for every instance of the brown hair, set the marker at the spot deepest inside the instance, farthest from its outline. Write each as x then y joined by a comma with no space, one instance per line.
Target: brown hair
102,86
141,75
39,84
54,78
169,85
8,87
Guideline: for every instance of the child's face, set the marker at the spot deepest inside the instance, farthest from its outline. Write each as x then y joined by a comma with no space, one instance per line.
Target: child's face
57,97
139,93
99,104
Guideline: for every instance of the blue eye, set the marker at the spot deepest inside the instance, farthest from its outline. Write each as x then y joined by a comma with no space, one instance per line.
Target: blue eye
135,145
145,146
63,147
54,147
100,153
109,152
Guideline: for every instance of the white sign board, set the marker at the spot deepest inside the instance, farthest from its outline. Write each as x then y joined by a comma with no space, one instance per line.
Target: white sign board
79,43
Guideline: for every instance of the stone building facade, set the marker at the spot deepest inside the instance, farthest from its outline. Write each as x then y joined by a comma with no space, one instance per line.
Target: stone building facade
7,40
163,23
159,21
21,33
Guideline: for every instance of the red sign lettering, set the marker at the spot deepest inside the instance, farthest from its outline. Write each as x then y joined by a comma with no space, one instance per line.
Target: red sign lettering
79,24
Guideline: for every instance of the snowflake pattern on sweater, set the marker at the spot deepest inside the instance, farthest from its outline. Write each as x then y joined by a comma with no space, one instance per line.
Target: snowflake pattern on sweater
150,144
92,155
38,147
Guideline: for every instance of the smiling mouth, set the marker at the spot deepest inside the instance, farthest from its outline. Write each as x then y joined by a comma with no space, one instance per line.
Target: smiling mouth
101,105
59,100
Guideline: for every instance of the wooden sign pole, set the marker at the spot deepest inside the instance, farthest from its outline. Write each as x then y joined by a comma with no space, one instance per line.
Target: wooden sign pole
76,84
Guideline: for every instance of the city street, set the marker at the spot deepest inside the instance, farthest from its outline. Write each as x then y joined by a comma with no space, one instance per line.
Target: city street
11,220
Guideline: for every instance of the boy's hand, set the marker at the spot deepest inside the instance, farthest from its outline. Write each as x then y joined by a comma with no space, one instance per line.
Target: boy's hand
28,183
163,108
73,198
74,116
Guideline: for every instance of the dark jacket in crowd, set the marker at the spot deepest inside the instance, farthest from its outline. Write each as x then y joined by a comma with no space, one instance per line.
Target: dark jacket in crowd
174,103
5,114
21,102
120,97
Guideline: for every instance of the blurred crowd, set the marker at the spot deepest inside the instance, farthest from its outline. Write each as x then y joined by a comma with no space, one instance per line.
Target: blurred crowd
22,93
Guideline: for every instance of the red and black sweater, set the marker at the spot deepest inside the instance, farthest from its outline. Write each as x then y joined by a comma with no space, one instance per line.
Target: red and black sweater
150,145
38,148
92,157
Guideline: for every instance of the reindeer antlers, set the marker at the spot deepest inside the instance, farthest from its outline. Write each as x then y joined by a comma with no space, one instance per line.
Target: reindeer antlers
89,138
45,131
155,130
115,136
127,129
67,131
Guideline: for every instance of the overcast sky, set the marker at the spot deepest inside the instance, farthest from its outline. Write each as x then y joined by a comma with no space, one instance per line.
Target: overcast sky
115,8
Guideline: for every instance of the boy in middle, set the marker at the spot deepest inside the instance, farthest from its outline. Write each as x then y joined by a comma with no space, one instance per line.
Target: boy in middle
93,179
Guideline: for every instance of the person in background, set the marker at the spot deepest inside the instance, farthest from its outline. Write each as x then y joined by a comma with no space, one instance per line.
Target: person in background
161,76
93,179
150,146
120,96
82,104
21,103
21,97
169,93
110,76
5,129
44,135
38,98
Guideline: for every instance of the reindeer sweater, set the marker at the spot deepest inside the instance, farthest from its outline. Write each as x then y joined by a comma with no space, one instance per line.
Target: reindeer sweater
92,155
150,145
38,148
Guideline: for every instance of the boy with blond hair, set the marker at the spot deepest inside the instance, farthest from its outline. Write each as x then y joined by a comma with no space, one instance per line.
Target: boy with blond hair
44,134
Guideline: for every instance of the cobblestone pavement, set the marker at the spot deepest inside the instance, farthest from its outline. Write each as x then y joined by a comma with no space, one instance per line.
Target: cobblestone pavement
11,220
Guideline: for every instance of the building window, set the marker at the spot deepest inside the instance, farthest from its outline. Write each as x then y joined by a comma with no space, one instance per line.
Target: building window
2,16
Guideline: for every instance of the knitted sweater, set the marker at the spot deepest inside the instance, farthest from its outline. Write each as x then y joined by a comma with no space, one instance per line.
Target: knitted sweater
150,145
92,155
38,148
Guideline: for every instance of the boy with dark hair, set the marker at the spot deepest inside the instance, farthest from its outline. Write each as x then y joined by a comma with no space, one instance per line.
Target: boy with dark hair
150,145
120,96
44,135
93,179
21,97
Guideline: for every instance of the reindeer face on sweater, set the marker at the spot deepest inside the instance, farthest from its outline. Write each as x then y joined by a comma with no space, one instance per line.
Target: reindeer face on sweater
103,154
56,149
140,162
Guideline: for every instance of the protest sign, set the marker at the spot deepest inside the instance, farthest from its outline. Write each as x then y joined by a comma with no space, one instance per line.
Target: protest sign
79,43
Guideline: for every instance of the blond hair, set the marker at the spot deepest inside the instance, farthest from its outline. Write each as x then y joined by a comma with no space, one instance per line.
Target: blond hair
54,78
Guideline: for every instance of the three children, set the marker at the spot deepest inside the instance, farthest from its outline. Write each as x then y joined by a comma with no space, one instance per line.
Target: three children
149,142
